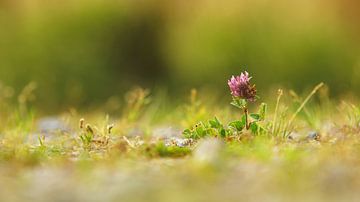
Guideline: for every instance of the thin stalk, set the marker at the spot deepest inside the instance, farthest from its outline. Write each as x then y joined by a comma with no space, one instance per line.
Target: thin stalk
280,93
247,124
305,101
301,107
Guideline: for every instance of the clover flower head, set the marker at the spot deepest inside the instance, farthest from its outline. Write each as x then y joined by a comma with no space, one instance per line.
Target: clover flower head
240,87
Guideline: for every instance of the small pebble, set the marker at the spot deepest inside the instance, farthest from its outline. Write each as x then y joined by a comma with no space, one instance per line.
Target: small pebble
313,135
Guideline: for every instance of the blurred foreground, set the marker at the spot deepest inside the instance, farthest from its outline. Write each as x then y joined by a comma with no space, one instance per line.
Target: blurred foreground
143,156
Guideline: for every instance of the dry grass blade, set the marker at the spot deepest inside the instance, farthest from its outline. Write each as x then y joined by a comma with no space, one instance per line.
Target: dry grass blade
280,93
304,102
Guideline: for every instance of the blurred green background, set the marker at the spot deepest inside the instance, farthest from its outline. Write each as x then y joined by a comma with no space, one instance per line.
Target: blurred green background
83,52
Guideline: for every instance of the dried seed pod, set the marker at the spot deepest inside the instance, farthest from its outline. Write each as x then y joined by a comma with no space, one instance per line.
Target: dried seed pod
89,129
109,128
280,92
81,123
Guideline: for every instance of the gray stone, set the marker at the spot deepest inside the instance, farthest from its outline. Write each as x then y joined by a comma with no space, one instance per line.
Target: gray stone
51,124
166,132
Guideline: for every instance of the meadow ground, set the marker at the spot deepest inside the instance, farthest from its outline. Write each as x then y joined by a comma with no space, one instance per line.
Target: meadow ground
299,149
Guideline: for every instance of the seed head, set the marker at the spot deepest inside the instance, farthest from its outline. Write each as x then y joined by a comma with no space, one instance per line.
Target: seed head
81,123
109,128
89,129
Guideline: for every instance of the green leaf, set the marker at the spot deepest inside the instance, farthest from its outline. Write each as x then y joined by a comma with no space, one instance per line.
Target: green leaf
254,128
187,133
209,131
239,103
223,132
235,104
212,124
238,125
262,111
201,129
215,123
256,117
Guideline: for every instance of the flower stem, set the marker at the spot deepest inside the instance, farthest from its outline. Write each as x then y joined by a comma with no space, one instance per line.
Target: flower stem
247,124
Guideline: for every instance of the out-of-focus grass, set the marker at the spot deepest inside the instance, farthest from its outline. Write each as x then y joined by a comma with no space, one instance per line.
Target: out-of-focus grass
145,158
